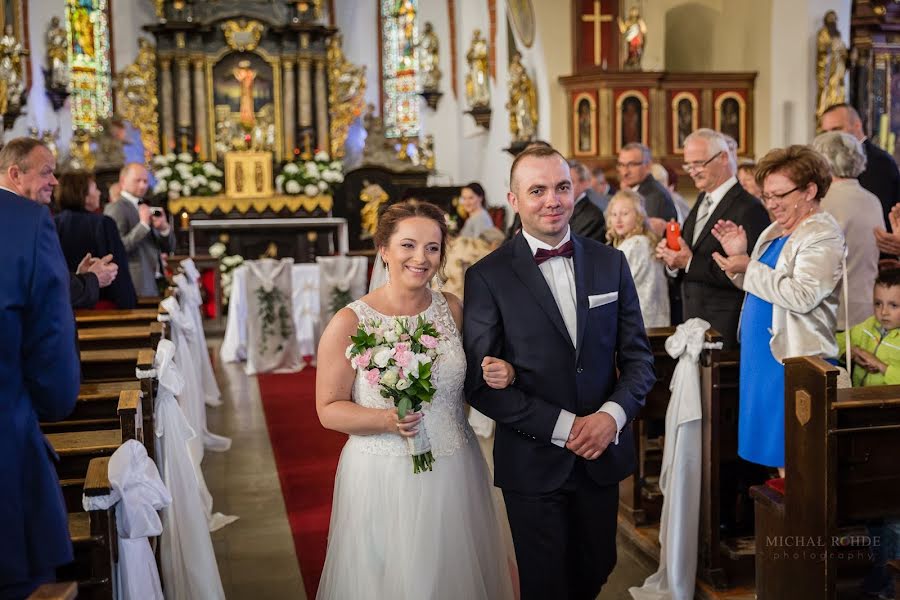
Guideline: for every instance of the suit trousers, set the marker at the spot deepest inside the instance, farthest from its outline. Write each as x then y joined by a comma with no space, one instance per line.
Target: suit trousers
565,541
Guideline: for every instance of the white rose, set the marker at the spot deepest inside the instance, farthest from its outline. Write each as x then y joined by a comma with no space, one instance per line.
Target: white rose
291,168
391,337
423,358
413,366
403,384
390,377
311,190
348,352
382,357
217,250
292,187
175,186
215,186
323,187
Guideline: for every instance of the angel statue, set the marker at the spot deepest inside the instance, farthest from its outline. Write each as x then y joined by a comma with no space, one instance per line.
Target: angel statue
634,32
478,92
429,59
57,60
522,104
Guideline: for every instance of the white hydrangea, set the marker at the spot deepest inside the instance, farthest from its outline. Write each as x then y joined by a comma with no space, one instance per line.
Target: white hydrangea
322,156
199,180
292,187
210,169
164,172
291,168
187,190
161,186
159,160
215,186
323,187
312,170
175,186
170,157
217,250
311,190
336,165
186,157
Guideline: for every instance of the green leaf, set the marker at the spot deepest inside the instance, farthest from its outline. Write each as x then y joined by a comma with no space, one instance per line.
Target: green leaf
404,406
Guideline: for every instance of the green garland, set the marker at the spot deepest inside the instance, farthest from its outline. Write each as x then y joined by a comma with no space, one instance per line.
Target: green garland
339,299
270,316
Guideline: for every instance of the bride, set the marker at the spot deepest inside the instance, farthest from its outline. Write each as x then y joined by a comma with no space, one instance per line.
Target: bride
395,534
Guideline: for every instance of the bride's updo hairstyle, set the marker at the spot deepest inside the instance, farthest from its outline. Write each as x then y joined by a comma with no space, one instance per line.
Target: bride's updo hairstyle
393,214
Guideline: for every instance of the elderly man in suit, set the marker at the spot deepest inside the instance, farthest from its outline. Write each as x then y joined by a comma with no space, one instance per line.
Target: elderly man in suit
26,169
39,379
635,172
587,220
881,176
706,291
146,234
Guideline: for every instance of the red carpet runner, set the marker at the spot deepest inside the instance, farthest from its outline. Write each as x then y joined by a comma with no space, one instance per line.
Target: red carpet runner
306,456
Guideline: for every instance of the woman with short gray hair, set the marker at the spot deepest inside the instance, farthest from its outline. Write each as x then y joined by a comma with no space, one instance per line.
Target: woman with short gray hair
858,212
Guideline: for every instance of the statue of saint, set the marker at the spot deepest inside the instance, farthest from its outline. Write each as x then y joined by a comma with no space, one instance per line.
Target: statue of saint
478,92
831,64
245,76
346,94
429,59
57,61
12,81
634,33
522,105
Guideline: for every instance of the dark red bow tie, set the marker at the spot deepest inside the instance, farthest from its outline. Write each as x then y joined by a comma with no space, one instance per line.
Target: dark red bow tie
566,251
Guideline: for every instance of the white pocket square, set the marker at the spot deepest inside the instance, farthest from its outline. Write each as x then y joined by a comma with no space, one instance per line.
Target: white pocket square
601,299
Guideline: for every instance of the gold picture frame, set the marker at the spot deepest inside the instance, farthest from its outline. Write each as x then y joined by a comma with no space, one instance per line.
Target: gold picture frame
584,124
684,117
730,118
635,103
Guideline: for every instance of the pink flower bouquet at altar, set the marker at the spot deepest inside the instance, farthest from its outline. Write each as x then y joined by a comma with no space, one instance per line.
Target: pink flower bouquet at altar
397,357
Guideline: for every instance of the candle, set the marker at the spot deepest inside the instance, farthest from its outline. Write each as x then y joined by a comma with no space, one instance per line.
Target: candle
185,220
883,130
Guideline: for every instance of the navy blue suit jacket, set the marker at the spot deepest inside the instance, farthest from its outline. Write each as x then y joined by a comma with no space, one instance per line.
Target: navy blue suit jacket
510,313
39,379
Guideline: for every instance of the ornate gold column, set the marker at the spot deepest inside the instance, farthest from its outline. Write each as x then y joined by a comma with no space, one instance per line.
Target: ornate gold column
321,106
289,108
182,65
167,109
201,139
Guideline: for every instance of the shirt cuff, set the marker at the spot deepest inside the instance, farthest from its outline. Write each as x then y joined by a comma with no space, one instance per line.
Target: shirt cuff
687,267
617,413
144,225
563,428
671,272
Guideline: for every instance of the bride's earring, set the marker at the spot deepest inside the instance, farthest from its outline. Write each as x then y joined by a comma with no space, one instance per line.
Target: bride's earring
387,272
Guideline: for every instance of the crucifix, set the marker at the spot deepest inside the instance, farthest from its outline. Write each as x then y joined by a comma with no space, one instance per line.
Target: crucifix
597,19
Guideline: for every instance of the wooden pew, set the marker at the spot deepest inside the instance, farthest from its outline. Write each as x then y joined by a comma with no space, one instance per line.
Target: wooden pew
111,410
726,518
93,537
148,301
107,318
55,591
117,364
120,336
841,471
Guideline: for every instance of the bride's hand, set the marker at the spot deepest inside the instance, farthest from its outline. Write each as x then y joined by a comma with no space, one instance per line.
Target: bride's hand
406,427
497,373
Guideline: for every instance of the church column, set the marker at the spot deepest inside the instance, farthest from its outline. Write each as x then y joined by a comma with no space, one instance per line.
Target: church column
200,133
321,107
184,104
167,109
304,95
289,108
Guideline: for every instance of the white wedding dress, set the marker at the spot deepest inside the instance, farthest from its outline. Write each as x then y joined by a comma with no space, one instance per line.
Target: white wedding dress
395,535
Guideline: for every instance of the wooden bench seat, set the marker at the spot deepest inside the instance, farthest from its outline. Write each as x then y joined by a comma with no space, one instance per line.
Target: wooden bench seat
110,365
107,318
120,336
55,591
841,473
77,448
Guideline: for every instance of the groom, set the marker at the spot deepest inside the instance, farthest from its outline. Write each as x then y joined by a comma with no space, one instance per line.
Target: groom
563,310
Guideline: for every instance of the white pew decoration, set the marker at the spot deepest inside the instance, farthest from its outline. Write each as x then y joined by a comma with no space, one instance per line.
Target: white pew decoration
191,301
342,280
682,468
137,494
188,561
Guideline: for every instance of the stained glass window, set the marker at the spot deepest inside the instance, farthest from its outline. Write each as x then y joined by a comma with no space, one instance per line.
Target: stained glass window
399,35
87,27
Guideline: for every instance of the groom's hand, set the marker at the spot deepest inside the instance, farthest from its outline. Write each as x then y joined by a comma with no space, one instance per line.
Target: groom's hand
591,435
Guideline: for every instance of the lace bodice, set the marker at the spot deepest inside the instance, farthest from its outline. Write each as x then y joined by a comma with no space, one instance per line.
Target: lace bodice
444,416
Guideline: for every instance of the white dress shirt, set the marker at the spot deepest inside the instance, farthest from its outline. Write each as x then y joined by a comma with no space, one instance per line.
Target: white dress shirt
559,272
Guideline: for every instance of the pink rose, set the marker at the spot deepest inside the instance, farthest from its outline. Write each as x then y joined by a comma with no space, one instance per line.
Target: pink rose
362,361
399,348
428,341
404,337
403,358
372,376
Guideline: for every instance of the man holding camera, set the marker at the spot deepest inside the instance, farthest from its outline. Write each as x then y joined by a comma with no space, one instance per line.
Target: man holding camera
144,229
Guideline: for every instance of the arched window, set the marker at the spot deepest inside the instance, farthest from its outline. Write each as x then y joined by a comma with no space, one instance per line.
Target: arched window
399,35
87,25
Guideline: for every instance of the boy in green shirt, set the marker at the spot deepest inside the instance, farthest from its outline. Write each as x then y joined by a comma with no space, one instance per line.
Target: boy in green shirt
876,341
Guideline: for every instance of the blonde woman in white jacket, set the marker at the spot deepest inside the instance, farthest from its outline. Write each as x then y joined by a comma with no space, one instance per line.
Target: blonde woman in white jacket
792,282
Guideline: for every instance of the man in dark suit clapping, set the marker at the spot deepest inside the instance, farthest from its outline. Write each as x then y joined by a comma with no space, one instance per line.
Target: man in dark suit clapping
706,290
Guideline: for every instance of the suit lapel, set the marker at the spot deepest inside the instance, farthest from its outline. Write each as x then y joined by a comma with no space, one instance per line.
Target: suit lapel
691,221
581,292
527,270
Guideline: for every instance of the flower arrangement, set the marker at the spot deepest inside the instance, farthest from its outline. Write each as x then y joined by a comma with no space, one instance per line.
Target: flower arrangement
227,264
180,175
397,358
310,177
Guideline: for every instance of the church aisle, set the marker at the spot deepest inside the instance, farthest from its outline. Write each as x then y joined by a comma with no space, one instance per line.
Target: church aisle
256,553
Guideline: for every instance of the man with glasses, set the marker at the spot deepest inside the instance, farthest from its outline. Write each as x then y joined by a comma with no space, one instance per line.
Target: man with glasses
634,171
706,290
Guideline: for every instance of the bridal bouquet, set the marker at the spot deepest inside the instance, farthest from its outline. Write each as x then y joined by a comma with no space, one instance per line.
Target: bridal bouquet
396,356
